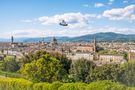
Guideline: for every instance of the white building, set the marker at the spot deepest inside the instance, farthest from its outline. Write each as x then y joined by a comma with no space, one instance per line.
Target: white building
77,56
111,59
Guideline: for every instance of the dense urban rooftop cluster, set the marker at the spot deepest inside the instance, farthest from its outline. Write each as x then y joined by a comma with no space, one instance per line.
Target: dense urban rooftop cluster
92,51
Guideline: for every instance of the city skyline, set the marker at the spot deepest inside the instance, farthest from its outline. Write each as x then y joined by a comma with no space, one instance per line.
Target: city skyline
36,18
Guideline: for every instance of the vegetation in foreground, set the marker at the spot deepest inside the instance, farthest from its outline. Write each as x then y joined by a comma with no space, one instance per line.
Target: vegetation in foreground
42,68
22,84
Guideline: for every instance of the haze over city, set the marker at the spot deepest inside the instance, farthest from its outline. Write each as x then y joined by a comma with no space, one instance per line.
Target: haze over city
36,18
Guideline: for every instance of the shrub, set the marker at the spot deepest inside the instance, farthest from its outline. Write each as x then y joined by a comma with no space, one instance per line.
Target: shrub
105,85
15,84
73,86
55,85
22,84
41,86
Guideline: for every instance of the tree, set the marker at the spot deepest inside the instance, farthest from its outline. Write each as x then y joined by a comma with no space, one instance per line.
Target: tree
38,54
45,69
106,72
125,55
63,60
10,64
129,74
80,69
27,58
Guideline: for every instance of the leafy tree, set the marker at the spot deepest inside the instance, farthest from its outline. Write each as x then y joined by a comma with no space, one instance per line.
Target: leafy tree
103,52
113,52
10,64
80,69
63,60
38,54
45,69
27,58
106,72
125,54
129,74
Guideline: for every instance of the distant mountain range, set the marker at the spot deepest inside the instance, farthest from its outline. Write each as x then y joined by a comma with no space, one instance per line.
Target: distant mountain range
107,36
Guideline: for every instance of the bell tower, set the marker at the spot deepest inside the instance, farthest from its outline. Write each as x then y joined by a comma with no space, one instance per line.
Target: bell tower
94,45
12,39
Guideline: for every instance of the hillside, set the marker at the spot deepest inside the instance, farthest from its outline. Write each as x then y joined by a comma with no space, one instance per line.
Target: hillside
107,36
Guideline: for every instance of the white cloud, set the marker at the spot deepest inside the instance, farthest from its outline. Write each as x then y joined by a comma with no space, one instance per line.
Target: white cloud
26,21
69,32
99,5
126,13
114,29
23,33
125,1
75,20
86,5
110,2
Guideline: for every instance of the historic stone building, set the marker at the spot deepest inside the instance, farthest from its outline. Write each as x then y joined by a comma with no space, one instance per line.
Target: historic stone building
87,48
78,56
111,59
131,55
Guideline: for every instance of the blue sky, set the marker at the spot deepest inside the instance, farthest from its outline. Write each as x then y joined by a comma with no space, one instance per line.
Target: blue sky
37,18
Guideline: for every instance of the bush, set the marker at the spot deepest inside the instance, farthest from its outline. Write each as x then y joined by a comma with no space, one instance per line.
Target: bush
41,86
105,85
55,85
22,84
73,86
15,84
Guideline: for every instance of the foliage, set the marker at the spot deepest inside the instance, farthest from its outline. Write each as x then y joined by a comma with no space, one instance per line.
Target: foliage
106,72
73,86
22,84
105,85
27,58
10,64
68,79
125,54
63,60
45,69
80,69
55,85
103,52
41,86
15,84
129,74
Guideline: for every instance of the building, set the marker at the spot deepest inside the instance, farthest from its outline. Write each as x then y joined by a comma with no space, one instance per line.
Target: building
54,41
131,55
78,56
87,48
111,59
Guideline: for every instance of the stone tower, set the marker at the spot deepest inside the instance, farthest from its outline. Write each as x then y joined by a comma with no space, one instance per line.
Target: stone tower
54,41
94,45
43,41
12,39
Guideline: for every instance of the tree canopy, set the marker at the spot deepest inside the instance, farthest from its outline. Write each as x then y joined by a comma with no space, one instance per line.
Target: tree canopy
45,69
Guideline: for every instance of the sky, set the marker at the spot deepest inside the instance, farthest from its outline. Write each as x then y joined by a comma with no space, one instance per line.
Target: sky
41,18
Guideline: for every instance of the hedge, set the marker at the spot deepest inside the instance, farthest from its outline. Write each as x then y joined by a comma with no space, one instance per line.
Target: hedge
22,84
105,85
15,84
